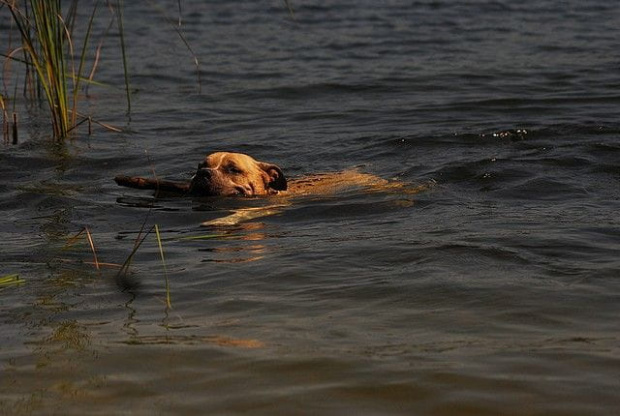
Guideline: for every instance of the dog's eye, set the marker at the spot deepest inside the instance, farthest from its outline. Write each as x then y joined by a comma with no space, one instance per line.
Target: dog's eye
234,170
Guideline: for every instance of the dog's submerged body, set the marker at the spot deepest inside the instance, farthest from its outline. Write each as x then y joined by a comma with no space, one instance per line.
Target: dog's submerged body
237,174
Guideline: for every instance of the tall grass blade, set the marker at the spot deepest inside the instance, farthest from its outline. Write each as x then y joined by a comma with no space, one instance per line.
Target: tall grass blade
78,77
43,37
72,240
177,28
119,18
122,273
91,75
48,48
92,247
290,9
163,261
10,279
89,237
5,121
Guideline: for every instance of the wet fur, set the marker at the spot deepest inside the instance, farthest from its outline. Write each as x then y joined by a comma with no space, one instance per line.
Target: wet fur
219,174
236,174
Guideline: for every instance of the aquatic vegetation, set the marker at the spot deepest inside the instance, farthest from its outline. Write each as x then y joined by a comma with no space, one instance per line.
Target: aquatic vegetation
9,123
5,120
10,280
163,261
85,231
55,70
122,276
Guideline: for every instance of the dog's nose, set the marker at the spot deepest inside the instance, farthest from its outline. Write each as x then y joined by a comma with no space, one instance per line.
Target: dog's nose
204,173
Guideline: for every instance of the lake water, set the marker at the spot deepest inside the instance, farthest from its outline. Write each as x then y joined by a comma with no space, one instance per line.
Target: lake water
495,292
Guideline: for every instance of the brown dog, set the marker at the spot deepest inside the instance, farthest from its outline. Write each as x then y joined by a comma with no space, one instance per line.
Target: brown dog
228,174
220,174
236,174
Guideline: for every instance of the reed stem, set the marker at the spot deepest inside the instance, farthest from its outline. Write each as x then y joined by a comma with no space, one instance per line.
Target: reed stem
47,43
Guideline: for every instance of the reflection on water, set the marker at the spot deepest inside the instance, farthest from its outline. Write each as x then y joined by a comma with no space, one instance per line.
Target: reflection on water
195,340
238,244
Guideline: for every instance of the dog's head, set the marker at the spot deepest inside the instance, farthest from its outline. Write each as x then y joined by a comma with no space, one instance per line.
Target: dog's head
229,174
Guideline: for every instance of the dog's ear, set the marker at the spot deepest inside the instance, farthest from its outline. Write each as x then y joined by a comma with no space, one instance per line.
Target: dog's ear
277,180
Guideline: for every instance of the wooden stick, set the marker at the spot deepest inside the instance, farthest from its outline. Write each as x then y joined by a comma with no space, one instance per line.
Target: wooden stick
148,183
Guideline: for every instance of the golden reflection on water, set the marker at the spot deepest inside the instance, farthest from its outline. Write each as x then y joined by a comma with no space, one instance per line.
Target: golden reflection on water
217,340
242,244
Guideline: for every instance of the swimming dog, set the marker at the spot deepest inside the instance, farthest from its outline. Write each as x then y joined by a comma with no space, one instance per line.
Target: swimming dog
237,174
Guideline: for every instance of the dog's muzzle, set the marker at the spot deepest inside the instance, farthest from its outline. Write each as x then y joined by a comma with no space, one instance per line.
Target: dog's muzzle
208,181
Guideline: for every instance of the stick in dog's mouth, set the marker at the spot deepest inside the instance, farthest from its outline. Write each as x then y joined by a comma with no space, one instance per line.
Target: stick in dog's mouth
220,174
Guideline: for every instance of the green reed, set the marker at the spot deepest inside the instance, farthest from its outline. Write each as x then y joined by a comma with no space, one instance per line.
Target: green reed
5,120
10,279
45,37
48,46
163,261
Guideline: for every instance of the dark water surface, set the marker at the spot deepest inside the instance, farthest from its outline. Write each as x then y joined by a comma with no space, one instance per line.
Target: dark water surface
496,292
